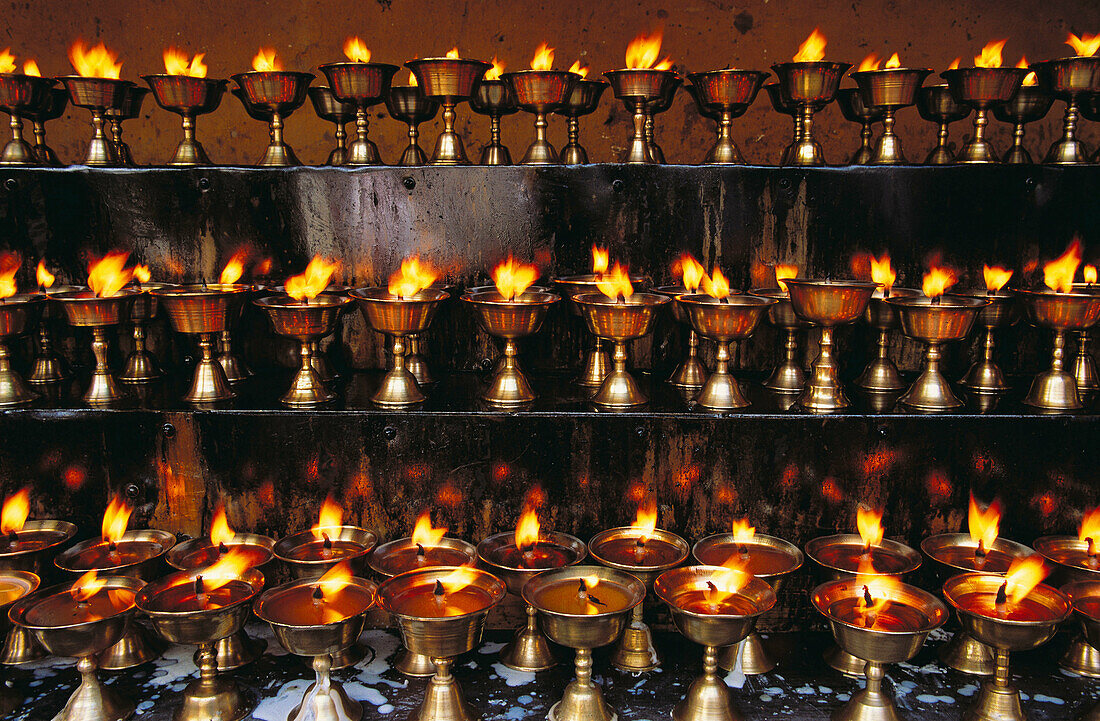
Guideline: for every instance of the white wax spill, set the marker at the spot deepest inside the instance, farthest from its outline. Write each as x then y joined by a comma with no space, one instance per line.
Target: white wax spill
511,677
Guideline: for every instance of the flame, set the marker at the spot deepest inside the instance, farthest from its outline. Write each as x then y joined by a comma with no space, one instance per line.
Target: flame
877,592
937,280
412,277
869,525
883,272
717,285
513,277
220,530
7,61
600,259
335,579
86,586
17,507
1089,273
726,581
458,579
9,266
642,52
893,62
356,50
616,283
264,267
544,58
995,277
1089,531
985,523
331,515
412,79
954,64
1030,78
691,272
234,268
743,532
494,72
871,62
424,534
97,62
30,67
142,273
313,280
665,64
991,55
176,62
812,50
1023,575
229,567
1084,46
527,529
782,272
108,275
1058,273
266,62
453,53
579,69
646,518
115,519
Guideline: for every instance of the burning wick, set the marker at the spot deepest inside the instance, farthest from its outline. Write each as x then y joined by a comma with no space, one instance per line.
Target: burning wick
711,594
318,596
936,300
584,595
222,548
200,591
13,539
1002,599
869,602
980,551
639,550
326,546
420,554
1090,549
528,555
866,555
439,593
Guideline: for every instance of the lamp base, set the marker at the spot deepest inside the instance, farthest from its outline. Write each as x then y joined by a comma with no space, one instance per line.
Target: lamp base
721,393
324,699
189,153
977,151
582,702
236,651
141,367
495,155
869,704
708,699
930,393
755,659
635,652
20,647
92,701
840,660
398,390
529,650
1066,151
133,649
443,699
414,156
984,377
691,374
540,152
1081,658
14,391
596,366
209,384
279,155
967,654
880,375
574,154
619,390
996,703
213,699
412,664
449,150
1055,391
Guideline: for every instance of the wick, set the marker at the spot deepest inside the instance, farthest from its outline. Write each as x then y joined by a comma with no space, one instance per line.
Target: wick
203,280
743,549
869,602
200,592
936,299
619,300
1093,553
318,595
866,550
222,548
438,593
712,592
1002,599
639,550
528,555
886,291
582,590
13,538
980,551
326,546
990,291
419,552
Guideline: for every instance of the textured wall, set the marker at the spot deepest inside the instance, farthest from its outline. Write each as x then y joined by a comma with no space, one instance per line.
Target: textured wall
700,35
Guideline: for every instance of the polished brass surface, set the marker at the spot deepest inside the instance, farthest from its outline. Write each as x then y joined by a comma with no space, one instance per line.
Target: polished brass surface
540,92
129,108
450,80
1084,367
1083,657
17,638
809,86
97,95
177,556
1056,389
232,365
652,108
308,569
783,104
19,645
827,303
52,108
985,375
619,321
415,361
881,375
339,114
935,321
724,321
1030,103
408,105
49,367
496,99
510,320
982,89
145,570
84,309
582,100
851,105
731,91
187,97
691,374
362,85
890,89
936,104
787,376
637,87
141,366
305,322
20,94
275,94
815,546
1071,79
596,363
17,314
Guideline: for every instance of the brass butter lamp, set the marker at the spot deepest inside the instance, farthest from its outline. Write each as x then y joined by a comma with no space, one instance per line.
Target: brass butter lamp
785,105
87,310
128,109
710,112
810,85
97,95
1003,311
449,80
19,94
494,98
1075,560
787,376
637,88
329,108
540,92
52,108
188,97
937,104
141,366
364,85
275,94
732,91
854,110
407,104
1056,388
18,585
1085,597
690,374
652,109
890,89
583,100
881,374
49,367
1071,79
1084,367
306,321
1031,103
18,314
982,89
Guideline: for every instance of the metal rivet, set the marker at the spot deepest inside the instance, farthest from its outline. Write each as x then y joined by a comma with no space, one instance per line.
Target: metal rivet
486,364
409,182
204,183
617,186
784,183
389,432
131,490
640,431
11,183
168,430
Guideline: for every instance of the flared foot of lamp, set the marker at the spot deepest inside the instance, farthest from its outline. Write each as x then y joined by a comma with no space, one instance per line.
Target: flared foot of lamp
92,701
708,698
635,652
529,650
20,647
582,699
325,699
133,649
871,703
412,664
443,699
967,654
1054,391
1081,658
210,698
596,366
236,651
209,384
755,659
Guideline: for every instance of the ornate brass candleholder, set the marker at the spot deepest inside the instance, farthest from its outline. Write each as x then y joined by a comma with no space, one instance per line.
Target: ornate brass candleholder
768,558
306,321
441,637
730,319
92,701
596,363
20,94
691,374
891,90
1056,388
619,321
528,650
408,105
1030,103
540,92
583,700
1074,561
710,112
49,367
784,105
982,89
324,699
398,318
827,303
450,81
86,310
496,99
141,366
998,700
894,635
234,366
510,320
279,93
32,549
881,374
852,107
985,375
583,100
204,311
129,109
365,85
634,652
652,108
637,88
954,553
810,86
732,91
787,376
1084,367
1070,79
732,619
209,697
52,108
339,114
937,104
1090,109
189,98
20,584
1085,597
17,314
97,95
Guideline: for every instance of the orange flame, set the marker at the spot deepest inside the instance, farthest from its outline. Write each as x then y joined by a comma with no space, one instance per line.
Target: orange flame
642,52
616,283
335,579
600,259
717,285
1084,46
954,64
86,586
356,50
727,581
1030,78
991,55
544,58
871,62
412,79
984,524
424,534
513,277
869,525
691,272
937,280
115,519
1058,273
313,280
494,72
995,277
142,273
412,277
44,276
96,62
229,567
17,507
812,49
234,268
7,61
646,518
108,275
1089,273
1089,531
579,69
782,272
1024,575
176,62
266,62
453,53
30,67
883,272
9,266
877,592
893,62
665,64
743,531
458,579
331,515
220,530
527,529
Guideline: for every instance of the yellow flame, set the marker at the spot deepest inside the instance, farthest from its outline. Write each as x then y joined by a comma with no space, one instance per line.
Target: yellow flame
1030,78
115,519
424,534
727,581
1089,273
954,64
30,67
234,268
220,530
871,62
316,277
1058,273
229,567
142,273
646,518
782,272
991,55
544,58
108,275
869,525
1089,530
513,277
616,283
335,579
984,523
412,277
995,277
9,266
96,62
812,49
331,515
86,586
691,272
883,272
356,50
1084,46
176,62
44,276
716,285
453,53
743,531
1024,575
937,280
458,579
7,61
579,69
600,259
643,51
527,528
665,64
494,72
876,592
17,507
893,62
266,61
